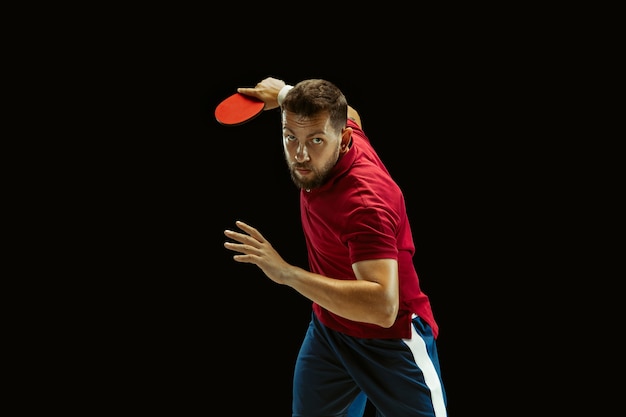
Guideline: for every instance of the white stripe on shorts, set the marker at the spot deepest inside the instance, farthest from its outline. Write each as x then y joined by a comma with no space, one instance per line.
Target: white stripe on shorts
418,348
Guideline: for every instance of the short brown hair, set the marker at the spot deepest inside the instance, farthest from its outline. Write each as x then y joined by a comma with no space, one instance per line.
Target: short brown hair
311,97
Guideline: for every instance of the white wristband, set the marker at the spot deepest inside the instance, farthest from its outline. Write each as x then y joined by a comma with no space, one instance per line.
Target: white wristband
282,93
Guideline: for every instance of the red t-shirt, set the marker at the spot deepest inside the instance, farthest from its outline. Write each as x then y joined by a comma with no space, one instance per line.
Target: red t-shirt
360,214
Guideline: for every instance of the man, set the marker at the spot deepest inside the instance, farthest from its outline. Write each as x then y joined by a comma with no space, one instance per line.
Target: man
372,329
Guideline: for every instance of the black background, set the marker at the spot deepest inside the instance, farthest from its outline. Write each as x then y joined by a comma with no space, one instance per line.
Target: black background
241,330
131,182
193,330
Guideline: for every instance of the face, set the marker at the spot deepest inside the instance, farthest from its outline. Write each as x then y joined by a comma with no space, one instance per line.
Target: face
311,147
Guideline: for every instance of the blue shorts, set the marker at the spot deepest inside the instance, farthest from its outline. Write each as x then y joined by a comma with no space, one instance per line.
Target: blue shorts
400,377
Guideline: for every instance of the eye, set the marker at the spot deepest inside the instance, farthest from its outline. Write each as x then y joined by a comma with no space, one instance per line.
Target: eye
317,141
290,138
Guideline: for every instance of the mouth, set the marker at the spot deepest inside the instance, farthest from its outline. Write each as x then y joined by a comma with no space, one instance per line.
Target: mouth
302,171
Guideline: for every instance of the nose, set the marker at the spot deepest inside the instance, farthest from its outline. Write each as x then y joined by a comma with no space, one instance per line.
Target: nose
301,154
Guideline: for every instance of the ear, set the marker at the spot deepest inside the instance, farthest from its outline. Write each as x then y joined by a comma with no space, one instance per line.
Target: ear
346,136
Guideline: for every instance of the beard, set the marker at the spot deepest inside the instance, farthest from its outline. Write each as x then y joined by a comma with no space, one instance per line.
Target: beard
317,177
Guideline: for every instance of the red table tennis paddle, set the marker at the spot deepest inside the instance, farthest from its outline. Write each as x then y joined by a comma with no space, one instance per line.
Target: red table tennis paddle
238,109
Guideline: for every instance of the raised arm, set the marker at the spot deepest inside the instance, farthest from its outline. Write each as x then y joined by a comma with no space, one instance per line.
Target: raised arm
267,91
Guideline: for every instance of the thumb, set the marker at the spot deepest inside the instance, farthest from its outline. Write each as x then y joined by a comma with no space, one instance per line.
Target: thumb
248,91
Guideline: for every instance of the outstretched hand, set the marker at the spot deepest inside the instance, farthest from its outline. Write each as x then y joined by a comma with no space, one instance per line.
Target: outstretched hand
266,91
254,249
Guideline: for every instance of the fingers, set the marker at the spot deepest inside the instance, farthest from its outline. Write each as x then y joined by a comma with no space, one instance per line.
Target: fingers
239,237
250,230
241,248
247,90
252,238
248,246
252,92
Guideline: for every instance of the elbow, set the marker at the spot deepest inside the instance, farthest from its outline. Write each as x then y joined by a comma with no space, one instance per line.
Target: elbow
389,315
354,115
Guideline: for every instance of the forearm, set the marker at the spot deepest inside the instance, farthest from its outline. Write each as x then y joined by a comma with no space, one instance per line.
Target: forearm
358,300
